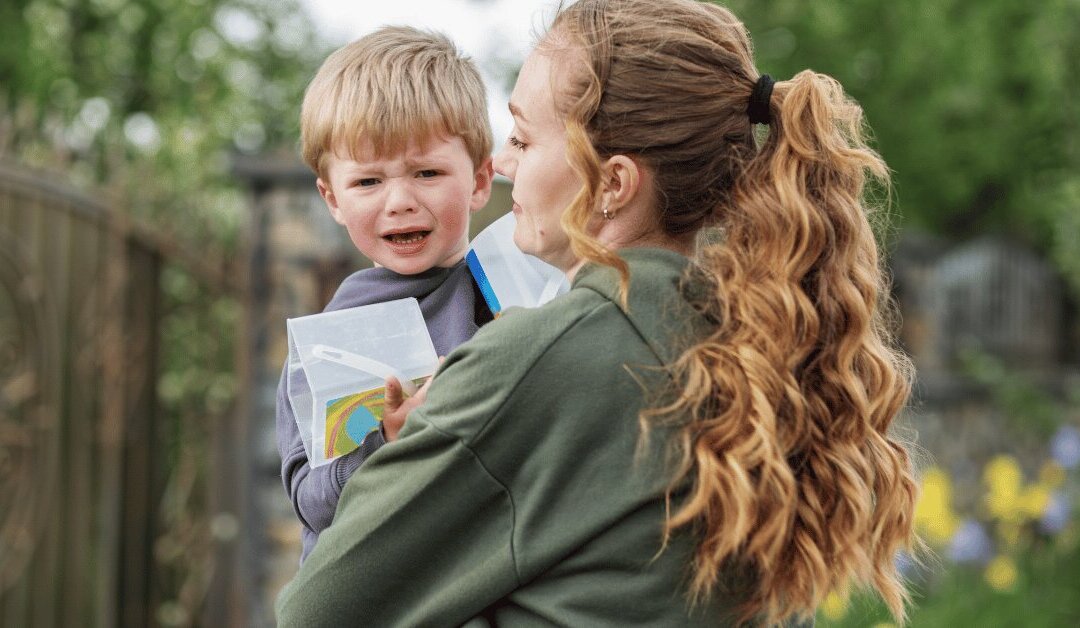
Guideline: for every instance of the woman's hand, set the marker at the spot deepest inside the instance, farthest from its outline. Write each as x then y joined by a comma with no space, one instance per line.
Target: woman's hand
397,407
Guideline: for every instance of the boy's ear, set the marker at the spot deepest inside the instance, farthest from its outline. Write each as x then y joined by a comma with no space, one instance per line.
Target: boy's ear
482,186
328,197
622,181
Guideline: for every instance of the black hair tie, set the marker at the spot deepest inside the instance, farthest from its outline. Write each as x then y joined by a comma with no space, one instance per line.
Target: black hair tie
758,109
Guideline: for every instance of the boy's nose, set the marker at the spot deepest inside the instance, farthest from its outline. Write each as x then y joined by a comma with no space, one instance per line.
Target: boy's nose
399,198
504,164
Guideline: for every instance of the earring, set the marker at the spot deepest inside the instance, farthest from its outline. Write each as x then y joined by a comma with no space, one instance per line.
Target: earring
608,214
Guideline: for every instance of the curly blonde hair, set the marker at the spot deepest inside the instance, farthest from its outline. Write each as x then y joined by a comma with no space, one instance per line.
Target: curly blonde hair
787,469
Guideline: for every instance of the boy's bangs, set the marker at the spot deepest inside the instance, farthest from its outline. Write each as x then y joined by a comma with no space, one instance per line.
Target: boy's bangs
387,122
386,135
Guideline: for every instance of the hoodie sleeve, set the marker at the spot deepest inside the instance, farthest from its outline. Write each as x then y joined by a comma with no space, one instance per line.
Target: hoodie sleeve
314,491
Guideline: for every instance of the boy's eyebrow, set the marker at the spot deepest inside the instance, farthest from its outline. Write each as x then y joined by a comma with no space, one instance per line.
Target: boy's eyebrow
516,112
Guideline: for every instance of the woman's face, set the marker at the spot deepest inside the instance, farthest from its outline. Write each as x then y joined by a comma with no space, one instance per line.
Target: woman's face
534,158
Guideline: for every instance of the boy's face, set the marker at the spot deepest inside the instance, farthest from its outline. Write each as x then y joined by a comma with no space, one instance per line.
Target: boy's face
407,211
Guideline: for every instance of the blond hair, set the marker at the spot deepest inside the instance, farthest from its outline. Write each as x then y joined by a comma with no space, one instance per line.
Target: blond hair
787,470
389,87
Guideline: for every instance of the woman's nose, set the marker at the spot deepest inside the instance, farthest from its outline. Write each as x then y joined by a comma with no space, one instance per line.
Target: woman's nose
504,164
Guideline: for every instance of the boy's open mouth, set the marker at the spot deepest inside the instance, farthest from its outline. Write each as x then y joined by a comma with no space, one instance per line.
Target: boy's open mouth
409,237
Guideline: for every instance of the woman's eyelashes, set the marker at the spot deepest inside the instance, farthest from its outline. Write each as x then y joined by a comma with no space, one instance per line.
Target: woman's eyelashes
515,142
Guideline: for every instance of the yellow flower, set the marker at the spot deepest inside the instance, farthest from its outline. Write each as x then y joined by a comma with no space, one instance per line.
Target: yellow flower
1004,480
1002,474
834,607
1052,474
1035,500
933,512
1001,573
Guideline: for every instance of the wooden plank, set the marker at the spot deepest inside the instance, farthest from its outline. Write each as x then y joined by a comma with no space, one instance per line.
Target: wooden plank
36,239
114,372
13,600
162,579
20,218
48,558
138,503
82,411
40,213
21,606
7,208
13,603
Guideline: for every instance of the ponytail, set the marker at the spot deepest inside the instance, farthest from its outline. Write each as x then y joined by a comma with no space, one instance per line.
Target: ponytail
792,471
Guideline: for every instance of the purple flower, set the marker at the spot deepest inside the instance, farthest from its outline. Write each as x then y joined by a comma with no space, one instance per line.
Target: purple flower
970,544
1057,514
1065,447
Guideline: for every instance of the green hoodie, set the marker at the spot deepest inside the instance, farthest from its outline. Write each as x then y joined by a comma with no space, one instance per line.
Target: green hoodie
514,496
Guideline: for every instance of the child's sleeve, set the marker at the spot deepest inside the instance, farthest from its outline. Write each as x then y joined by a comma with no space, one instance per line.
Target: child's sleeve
314,492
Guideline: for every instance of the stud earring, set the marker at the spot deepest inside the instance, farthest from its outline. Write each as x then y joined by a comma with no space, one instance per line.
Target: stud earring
608,214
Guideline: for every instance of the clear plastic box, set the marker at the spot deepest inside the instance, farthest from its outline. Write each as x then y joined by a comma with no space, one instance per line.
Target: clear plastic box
508,277
338,365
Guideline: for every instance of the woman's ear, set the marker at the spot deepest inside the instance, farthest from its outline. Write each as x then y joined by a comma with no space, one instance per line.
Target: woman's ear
622,181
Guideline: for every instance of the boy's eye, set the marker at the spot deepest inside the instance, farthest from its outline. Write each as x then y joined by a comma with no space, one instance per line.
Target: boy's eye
515,142
427,174
367,182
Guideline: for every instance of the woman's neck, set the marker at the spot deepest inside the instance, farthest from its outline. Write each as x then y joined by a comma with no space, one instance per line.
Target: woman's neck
683,245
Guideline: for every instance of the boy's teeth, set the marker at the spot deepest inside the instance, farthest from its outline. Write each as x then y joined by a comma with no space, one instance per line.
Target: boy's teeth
407,238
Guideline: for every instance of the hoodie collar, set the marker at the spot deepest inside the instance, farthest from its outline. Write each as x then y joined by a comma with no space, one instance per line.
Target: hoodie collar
657,302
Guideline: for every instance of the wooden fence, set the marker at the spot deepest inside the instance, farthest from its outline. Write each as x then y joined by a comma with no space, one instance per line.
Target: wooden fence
81,476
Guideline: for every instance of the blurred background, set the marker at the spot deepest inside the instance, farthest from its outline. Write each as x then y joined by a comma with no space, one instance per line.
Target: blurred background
157,228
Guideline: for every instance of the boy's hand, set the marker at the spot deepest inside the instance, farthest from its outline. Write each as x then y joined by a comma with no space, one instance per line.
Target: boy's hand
397,407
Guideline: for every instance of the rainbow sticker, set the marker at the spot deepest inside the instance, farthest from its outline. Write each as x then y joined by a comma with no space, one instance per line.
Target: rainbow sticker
350,418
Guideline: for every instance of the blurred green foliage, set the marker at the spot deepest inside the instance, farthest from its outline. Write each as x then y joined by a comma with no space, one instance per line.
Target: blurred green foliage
974,104
147,98
1029,410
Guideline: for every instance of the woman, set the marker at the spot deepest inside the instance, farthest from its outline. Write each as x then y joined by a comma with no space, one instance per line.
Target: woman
673,442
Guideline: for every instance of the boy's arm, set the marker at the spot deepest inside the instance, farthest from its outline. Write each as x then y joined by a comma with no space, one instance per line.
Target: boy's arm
314,491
